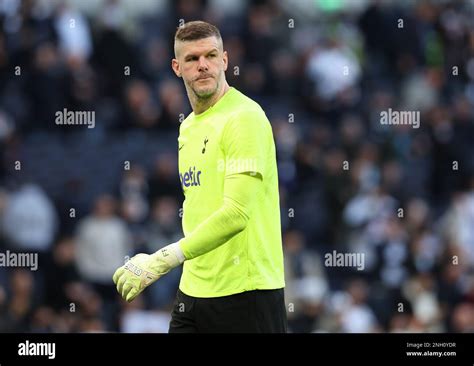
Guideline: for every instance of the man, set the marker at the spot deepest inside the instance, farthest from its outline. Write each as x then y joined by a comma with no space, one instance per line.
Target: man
233,276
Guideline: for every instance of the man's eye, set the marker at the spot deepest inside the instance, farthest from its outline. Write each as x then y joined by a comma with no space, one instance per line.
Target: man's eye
213,55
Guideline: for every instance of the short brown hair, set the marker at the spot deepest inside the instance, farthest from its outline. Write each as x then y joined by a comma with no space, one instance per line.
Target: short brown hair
192,31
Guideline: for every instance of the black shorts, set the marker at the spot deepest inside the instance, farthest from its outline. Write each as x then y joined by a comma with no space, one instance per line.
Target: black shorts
258,311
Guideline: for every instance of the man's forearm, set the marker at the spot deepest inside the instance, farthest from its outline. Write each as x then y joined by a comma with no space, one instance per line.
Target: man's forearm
239,194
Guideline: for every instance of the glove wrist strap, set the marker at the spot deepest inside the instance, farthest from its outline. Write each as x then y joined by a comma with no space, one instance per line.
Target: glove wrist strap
177,251
171,254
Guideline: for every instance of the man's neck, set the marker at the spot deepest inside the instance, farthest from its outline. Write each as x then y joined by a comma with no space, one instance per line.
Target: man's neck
201,105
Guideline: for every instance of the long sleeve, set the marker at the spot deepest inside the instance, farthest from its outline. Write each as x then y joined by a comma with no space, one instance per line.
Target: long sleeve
229,220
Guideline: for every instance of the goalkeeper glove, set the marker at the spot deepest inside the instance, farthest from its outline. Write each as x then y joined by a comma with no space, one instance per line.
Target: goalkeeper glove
144,269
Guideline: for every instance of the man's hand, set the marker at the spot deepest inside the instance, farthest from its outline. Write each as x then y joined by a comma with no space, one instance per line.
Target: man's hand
144,269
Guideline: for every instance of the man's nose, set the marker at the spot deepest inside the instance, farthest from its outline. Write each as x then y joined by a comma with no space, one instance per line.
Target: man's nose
202,66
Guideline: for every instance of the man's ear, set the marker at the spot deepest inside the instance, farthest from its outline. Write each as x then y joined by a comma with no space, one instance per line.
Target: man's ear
175,67
225,59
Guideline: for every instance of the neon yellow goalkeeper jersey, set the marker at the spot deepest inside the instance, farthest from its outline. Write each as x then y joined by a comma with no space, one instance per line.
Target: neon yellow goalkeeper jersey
233,136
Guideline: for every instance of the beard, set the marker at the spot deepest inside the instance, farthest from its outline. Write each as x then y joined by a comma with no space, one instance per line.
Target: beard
205,92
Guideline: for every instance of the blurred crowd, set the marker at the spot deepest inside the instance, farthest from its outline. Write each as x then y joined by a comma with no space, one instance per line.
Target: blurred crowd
85,199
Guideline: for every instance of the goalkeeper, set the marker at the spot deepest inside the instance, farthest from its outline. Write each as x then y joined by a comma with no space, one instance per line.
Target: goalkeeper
231,252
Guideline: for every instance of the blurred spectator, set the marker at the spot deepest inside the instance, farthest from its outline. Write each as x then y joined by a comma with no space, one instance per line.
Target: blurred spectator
133,193
60,274
142,321
30,219
174,105
74,34
46,86
18,309
164,228
306,283
353,312
463,318
421,293
103,242
333,69
143,111
164,180
457,224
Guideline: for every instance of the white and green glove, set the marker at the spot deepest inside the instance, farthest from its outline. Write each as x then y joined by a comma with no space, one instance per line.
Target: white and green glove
144,269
